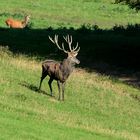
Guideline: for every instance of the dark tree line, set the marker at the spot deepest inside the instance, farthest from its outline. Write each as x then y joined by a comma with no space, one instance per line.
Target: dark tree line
132,3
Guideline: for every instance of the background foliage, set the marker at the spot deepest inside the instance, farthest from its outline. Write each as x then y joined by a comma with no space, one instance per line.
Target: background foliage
132,3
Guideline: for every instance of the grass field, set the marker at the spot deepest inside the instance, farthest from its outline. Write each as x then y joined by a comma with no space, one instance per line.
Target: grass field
73,14
98,105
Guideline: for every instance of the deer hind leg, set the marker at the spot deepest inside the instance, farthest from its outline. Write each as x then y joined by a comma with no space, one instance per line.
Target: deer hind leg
58,84
44,74
50,82
63,89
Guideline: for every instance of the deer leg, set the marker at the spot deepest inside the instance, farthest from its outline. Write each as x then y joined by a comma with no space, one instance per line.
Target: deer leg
44,74
50,82
58,84
63,88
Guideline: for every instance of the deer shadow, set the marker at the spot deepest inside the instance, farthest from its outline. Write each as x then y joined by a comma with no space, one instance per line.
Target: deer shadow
34,88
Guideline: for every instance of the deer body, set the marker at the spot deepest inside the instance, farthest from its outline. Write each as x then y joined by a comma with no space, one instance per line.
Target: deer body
17,24
59,71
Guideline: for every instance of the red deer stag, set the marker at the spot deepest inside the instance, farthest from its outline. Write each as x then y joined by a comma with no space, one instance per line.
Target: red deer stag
60,71
17,24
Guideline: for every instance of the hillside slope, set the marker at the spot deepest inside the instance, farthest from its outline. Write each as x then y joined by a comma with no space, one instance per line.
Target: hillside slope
95,107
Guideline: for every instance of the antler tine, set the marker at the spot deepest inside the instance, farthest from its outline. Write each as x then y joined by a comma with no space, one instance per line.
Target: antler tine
55,41
51,39
68,39
64,48
70,42
75,47
78,50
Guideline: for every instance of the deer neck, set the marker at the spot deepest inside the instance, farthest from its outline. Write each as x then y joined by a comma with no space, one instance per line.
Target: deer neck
66,69
67,65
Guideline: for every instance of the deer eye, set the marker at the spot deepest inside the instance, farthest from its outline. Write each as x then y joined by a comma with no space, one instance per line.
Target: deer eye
75,54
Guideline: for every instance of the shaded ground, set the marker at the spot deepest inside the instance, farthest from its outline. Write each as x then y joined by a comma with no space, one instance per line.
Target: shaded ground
126,75
113,52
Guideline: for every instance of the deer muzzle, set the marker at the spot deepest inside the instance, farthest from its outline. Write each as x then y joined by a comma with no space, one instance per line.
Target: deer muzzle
77,61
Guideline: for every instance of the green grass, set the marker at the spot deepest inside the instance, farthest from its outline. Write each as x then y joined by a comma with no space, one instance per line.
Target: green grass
95,106
75,13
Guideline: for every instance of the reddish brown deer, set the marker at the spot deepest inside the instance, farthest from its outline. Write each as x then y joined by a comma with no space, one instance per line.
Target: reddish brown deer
12,23
60,71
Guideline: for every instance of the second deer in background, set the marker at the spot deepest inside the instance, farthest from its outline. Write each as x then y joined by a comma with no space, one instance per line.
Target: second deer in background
60,71
12,23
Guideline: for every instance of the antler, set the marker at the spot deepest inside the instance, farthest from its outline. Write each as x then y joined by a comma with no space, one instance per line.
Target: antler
55,41
68,40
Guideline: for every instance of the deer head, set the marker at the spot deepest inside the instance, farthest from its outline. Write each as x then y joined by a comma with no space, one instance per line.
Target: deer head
72,52
27,17
26,20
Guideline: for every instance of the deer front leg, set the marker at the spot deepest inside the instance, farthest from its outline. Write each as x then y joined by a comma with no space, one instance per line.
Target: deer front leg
58,84
63,88
50,82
